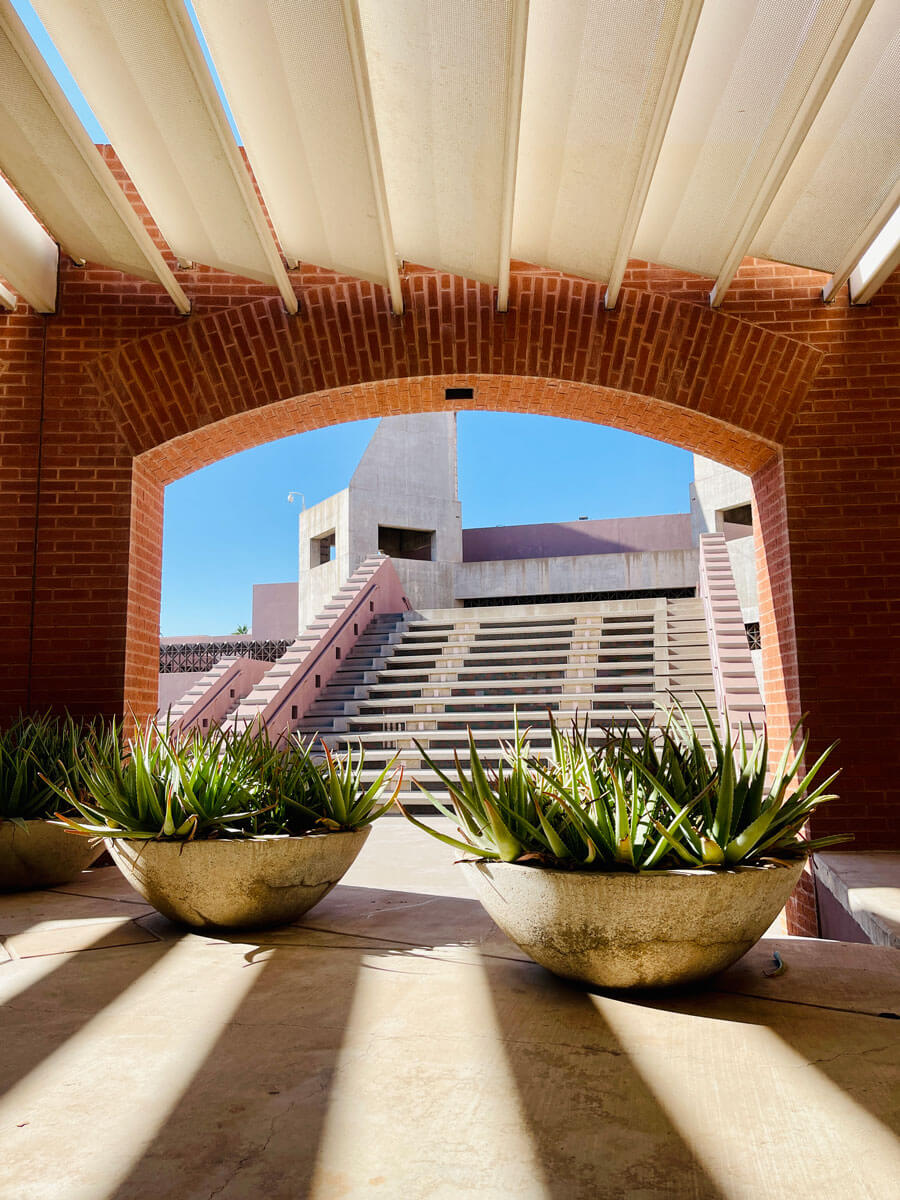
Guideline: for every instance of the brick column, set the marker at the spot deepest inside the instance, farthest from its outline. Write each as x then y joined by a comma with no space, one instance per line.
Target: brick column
64,533
21,348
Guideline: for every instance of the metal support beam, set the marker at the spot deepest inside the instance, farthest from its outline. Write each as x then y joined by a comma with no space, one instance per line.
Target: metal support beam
515,75
356,47
84,196
863,288
855,253
29,258
665,100
780,162
210,97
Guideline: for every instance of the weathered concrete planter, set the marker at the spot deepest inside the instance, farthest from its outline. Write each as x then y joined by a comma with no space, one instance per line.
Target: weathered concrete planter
620,930
42,855
237,883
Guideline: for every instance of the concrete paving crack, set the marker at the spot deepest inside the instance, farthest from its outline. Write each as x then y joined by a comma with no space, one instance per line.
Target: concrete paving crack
256,1153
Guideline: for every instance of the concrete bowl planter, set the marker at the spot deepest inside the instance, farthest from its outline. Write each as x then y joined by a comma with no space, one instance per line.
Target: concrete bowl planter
42,855
236,883
623,930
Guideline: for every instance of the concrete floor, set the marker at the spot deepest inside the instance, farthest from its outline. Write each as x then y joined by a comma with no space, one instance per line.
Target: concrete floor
394,1044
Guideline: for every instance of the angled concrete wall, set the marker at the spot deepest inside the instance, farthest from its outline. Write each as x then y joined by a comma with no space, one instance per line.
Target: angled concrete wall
406,479
319,582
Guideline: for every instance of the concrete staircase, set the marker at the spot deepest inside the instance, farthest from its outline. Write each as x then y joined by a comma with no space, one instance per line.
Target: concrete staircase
179,710
254,705
428,676
214,697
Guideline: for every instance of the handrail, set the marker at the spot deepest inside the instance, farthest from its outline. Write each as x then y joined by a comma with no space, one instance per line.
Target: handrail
248,671
311,662
299,689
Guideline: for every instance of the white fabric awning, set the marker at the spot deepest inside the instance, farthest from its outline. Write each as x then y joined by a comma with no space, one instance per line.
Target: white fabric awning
50,160
459,133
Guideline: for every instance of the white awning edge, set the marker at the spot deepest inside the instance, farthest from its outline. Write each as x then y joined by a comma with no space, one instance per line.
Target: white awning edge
856,251
879,262
832,60
29,257
515,69
678,56
7,298
356,47
86,159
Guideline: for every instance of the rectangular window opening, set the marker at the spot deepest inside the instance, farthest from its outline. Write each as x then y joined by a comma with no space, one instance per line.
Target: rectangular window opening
415,544
322,549
459,393
740,514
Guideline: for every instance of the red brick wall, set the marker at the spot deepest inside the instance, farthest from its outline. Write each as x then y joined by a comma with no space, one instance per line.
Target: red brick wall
801,910
126,396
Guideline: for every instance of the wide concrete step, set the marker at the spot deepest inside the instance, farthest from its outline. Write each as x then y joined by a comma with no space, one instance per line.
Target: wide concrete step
491,688
591,689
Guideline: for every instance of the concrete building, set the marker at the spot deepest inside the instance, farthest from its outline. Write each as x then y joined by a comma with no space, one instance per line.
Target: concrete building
403,500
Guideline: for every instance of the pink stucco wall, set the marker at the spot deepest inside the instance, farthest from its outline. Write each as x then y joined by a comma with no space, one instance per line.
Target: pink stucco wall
619,536
275,610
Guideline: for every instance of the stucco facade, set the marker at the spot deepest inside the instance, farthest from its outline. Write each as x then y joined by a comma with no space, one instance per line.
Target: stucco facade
406,481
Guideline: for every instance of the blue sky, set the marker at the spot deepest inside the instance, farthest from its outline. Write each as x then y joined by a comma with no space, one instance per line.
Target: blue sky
230,525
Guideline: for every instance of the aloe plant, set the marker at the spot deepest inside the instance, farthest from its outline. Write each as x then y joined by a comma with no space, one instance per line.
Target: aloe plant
36,753
307,792
219,784
637,799
200,786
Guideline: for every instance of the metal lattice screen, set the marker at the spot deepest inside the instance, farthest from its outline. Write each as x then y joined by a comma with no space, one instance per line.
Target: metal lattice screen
202,656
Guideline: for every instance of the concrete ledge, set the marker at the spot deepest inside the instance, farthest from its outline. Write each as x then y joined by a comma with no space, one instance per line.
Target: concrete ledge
862,890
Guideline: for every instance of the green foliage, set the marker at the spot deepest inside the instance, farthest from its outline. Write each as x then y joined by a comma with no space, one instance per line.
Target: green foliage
36,753
203,785
652,799
220,784
307,793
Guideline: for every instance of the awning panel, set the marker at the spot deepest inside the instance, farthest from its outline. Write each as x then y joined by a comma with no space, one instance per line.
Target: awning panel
141,69
850,162
50,160
597,78
440,78
29,259
288,73
750,86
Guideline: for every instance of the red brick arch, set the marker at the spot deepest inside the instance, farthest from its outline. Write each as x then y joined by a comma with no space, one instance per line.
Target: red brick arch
115,395
675,371
715,383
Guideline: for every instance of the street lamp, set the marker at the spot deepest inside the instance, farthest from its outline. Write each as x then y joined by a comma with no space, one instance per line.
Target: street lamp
291,496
